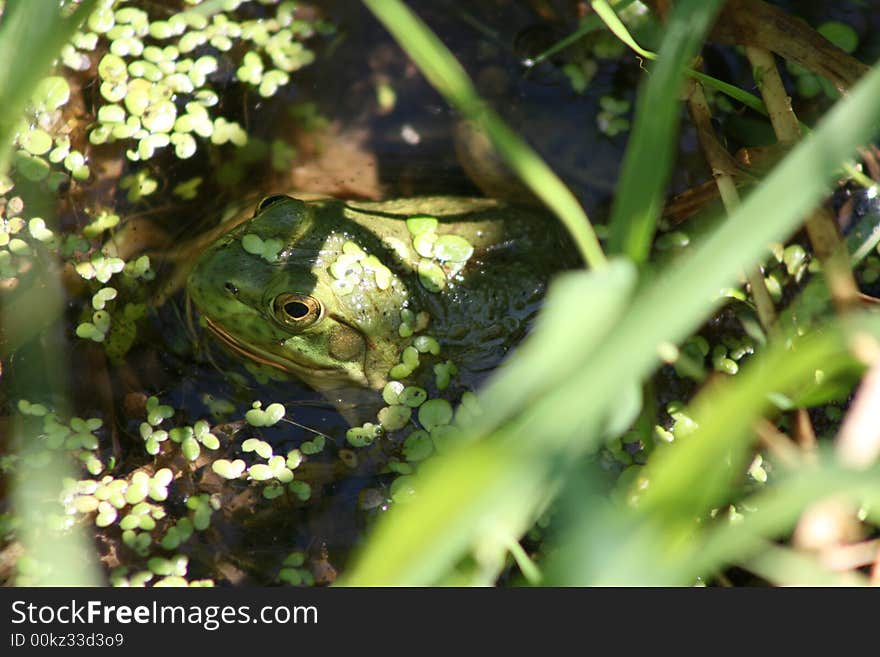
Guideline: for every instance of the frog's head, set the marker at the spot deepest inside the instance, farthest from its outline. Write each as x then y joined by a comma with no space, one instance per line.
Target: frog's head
270,291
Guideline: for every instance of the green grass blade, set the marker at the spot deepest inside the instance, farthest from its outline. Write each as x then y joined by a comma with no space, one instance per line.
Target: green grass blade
537,444
695,474
31,36
446,75
648,161
777,509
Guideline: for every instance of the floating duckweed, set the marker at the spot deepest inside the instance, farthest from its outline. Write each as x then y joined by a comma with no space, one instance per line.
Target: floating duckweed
102,222
261,447
159,484
85,503
344,266
426,344
443,373
157,412
160,117
106,515
311,447
112,68
190,448
383,277
264,418
202,511
444,436
301,489
228,131
189,189
400,371
405,330
27,408
37,229
453,248
31,167
50,93
138,184
394,417
840,34
794,258
272,491
410,358
435,412
102,296
721,362
35,141
138,488
284,476
421,224
417,446
413,397
61,150
364,435
683,424
266,249
431,276
260,472
100,267
294,458
424,243
97,329
271,81
179,434
391,392
184,145
202,433
228,469
756,470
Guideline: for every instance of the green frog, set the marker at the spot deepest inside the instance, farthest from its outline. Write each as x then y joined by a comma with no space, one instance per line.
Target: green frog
413,299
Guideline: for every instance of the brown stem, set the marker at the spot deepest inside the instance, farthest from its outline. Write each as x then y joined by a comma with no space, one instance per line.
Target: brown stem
825,239
723,166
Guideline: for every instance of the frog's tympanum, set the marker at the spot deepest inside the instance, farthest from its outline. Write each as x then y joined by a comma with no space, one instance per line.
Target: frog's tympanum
414,298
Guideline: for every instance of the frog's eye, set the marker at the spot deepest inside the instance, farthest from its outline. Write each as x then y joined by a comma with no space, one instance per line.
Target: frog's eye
269,201
297,311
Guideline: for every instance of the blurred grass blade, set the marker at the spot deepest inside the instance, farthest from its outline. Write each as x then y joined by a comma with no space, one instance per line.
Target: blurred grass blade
777,511
31,36
784,567
539,442
607,542
446,75
648,161
696,473
608,15
463,484
602,295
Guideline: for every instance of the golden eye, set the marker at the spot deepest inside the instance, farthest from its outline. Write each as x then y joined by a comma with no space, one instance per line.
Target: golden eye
269,201
297,311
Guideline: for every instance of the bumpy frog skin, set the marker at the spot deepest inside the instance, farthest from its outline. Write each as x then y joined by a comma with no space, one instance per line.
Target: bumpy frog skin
334,292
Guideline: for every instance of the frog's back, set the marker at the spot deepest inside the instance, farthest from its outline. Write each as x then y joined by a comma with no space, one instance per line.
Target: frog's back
487,305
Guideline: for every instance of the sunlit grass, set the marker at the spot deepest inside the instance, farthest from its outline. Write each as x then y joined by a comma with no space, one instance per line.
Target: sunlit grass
31,36
559,396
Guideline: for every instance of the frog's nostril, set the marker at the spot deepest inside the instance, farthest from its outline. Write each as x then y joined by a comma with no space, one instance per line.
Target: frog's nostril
231,288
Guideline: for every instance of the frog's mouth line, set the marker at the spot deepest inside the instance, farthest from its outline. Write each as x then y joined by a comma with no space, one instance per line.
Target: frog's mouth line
310,373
